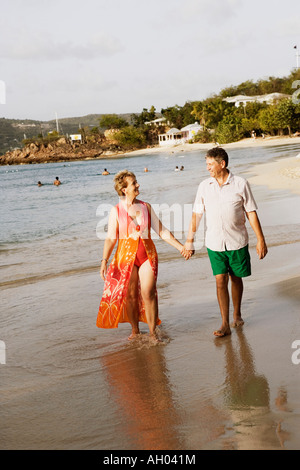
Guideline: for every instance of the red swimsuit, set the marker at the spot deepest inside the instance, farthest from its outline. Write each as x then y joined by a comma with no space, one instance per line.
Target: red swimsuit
141,255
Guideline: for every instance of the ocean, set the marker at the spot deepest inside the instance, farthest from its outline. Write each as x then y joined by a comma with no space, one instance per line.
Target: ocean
66,384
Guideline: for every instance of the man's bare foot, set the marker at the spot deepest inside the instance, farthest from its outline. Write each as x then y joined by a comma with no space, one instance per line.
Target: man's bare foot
238,322
222,332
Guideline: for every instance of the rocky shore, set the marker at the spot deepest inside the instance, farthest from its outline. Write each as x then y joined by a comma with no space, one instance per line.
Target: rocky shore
58,151
63,150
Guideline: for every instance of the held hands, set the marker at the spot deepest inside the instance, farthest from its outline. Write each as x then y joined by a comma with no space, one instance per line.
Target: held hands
187,250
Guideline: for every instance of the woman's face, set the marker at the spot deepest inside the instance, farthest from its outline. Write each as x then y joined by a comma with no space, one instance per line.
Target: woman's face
132,188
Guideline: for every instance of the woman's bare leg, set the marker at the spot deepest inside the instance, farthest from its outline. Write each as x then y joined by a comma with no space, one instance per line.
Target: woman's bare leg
148,290
132,302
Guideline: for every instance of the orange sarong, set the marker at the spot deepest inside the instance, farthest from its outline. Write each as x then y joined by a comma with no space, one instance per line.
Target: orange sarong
112,310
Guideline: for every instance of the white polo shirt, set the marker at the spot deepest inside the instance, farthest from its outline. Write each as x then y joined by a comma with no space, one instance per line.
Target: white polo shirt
224,208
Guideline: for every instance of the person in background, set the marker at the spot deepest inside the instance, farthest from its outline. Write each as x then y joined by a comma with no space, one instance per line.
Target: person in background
56,181
105,172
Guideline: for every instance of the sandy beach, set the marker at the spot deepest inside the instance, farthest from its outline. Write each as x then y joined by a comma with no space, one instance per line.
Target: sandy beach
244,143
68,385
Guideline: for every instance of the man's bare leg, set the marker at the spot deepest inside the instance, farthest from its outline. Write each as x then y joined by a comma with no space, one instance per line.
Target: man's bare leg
223,299
237,288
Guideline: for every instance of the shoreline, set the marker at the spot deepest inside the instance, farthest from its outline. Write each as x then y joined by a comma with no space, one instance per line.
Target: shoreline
192,391
244,143
281,174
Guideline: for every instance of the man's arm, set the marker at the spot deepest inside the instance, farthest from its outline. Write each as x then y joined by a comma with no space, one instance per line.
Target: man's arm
261,247
193,227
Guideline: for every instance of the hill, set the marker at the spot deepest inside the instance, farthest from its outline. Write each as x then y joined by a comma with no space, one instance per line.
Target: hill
14,131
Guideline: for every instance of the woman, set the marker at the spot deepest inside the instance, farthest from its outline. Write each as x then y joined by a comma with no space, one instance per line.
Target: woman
130,293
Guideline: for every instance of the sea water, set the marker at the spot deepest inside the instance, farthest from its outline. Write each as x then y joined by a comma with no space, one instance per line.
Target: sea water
66,384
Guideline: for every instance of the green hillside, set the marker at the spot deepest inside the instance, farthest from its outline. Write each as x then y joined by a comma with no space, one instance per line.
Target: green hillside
14,131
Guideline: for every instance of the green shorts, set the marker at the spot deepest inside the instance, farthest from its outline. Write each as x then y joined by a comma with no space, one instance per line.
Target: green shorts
236,262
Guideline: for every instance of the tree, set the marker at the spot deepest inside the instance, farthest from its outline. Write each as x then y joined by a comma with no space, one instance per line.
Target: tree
130,137
267,119
112,121
229,130
285,114
179,116
138,120
211,111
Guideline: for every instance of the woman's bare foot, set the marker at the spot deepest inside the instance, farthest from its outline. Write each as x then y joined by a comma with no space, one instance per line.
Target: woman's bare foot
133,335
154,338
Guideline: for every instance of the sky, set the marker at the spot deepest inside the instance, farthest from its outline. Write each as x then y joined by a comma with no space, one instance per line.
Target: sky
70,58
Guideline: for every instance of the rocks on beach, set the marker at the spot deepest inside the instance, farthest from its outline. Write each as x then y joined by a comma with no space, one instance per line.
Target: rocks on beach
60,150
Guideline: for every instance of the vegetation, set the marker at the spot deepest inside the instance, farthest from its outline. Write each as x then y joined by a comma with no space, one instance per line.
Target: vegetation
112,121
130,138
221,121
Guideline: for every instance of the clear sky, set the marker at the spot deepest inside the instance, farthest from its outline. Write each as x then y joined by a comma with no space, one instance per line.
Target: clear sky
78,57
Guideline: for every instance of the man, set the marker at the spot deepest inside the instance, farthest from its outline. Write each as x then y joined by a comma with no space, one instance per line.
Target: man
226,199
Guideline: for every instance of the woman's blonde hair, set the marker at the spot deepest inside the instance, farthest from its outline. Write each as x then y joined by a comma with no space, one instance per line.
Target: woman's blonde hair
121,182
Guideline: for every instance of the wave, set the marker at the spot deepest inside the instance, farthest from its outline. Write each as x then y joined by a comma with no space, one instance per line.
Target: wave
45,277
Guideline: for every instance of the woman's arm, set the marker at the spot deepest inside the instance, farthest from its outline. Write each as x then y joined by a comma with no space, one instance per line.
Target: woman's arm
110,241
162,231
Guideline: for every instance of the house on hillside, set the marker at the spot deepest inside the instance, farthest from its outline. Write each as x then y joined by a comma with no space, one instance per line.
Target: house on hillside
270,98
189,132
158,122
172,137
175,136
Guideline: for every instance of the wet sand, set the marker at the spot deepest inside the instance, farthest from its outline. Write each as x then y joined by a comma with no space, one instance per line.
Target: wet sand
96,390
69,385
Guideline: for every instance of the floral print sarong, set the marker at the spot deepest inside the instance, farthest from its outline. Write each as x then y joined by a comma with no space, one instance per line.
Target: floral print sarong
112,310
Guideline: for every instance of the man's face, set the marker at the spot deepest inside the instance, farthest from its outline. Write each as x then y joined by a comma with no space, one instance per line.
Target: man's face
215,169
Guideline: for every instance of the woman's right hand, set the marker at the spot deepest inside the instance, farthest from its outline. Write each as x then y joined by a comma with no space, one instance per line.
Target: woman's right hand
103,269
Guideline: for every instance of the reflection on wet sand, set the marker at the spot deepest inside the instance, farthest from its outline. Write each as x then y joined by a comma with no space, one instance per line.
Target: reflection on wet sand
247,397
139,384
146,415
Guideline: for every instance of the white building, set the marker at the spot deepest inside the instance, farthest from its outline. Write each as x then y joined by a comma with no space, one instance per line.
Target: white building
75,137
243,99
175,136
157,122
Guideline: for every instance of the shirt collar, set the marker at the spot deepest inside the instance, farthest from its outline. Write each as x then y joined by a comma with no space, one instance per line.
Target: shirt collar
230,176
